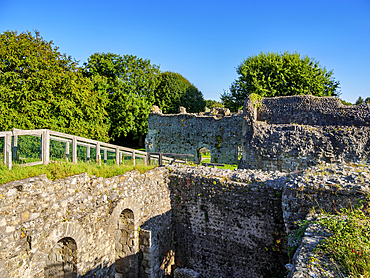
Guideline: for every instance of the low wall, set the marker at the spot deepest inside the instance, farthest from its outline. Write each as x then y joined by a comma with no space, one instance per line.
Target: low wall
96,220
220,223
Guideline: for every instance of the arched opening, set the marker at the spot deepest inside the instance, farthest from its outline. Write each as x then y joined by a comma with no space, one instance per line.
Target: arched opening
126,245
239,152
62,259
204,155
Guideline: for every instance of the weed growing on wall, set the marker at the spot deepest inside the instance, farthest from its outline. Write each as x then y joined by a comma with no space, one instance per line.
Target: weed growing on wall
350,243
295,238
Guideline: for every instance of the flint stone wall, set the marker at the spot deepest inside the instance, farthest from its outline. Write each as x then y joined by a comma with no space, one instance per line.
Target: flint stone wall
311,110
220,223
282,133
233,223
37,213
228,224
187,133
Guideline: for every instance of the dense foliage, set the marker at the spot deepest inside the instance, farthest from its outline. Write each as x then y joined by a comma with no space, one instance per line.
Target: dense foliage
174,90
210,103
130,85
360,100
272,74
41,88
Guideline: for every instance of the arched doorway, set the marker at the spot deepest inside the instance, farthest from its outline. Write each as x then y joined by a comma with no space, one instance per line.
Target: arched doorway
204,155
62,259
126,245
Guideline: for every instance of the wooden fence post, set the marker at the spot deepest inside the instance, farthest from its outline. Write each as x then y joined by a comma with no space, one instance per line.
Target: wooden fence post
133,157
67,150
98,157
117,156
45,147
146,159
120,158
160,159
88,154
74,150
8,151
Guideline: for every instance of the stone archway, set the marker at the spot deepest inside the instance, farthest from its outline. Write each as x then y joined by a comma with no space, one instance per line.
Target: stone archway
204,154
62,234
126,245
62,259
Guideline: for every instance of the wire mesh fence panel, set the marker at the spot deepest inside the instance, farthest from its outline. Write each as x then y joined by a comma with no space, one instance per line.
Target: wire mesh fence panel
110,158
26,149
58,151
81,153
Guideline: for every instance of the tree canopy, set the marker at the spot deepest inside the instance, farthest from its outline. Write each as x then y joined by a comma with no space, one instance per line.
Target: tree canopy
41,88
174,90
131,82
279,74
360,100
210,103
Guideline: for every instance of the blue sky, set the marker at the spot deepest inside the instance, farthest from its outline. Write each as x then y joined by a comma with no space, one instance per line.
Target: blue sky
206,40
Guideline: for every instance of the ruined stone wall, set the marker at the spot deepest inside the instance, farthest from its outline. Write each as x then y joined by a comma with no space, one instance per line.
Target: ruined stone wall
220,223
187,133
288,147
233,223
228,224
85,226
289,133
282,133
311,110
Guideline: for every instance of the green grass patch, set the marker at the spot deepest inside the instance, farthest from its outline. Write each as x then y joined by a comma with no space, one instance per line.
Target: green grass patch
59,170
350,243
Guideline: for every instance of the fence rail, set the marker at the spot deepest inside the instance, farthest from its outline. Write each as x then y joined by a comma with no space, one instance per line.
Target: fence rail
46,135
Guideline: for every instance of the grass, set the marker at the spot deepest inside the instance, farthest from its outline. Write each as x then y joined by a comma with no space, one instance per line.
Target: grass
59,170
207,155
350,244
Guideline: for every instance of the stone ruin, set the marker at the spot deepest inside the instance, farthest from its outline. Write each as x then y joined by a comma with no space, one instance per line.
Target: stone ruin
282,133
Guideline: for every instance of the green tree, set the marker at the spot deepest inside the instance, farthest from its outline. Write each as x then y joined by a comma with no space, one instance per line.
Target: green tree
345,102
284,74
210,103
130,85
360,100
41,88
174,90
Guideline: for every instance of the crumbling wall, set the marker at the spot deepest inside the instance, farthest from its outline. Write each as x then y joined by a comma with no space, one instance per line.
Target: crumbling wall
228,224
311,110
282,133
233,223
290,133
100,217
186,133
288,147
220,223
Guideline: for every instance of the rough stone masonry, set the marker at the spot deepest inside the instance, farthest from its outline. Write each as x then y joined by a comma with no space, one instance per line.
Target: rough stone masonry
218,223
282,133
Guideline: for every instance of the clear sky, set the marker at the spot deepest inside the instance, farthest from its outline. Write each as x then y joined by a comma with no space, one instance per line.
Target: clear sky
206,40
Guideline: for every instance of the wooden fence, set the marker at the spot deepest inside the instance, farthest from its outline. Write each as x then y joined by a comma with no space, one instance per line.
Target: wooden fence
11,144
